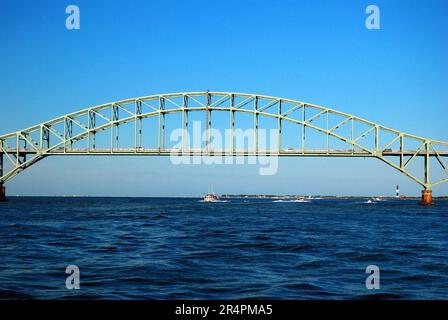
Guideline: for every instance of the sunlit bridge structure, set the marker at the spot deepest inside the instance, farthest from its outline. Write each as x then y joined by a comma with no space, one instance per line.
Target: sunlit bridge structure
141,127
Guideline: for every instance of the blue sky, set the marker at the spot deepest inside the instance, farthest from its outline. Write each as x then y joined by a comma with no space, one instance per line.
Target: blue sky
316,51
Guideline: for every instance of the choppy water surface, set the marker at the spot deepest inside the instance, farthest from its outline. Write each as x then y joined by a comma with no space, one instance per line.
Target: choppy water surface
185,249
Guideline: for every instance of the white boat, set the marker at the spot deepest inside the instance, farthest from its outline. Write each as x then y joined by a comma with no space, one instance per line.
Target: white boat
211,197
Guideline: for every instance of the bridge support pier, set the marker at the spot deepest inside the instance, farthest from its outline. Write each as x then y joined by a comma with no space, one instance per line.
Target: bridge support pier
426,198
2,193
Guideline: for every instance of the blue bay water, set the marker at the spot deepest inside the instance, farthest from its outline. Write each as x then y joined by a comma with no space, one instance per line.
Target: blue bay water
173,248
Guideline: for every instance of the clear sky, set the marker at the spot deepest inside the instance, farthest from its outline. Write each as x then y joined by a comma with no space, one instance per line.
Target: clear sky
316,51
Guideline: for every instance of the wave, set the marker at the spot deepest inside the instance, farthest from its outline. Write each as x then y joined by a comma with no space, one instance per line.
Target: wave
304,286
289,201
14,295
380,296
366,202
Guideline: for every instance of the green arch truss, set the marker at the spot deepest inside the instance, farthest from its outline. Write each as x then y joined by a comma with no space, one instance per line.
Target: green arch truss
63,135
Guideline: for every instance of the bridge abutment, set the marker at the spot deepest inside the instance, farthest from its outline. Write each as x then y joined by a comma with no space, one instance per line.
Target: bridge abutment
2,193
426,198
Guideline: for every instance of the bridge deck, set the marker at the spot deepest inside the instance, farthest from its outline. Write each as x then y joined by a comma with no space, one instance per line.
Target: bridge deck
218,152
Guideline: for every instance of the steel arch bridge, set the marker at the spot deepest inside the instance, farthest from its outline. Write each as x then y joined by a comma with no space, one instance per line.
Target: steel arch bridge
76,133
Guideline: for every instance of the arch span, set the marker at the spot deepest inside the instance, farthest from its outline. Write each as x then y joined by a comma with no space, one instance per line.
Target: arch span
77,133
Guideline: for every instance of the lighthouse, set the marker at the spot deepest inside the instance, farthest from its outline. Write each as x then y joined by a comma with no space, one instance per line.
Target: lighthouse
397,195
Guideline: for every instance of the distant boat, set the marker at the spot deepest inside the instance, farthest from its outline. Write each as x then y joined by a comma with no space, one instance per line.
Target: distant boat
211,197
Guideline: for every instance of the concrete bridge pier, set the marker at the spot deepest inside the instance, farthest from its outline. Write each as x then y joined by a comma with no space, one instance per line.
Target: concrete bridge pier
2,188
426,198
2,193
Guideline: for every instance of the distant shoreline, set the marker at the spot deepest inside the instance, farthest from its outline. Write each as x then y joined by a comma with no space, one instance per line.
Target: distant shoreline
237,196
230,196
